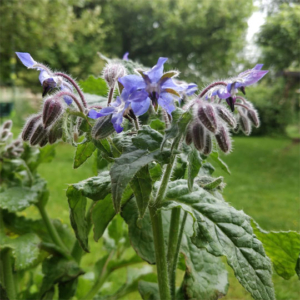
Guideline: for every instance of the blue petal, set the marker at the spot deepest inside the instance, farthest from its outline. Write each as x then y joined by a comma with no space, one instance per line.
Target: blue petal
157,71
131,82
191,89
26,59
258,67
93,114
139,108
223,93
44,76
125,56
117,120
170,84
116,103
251,78
138,96
166,102
106,111
67,99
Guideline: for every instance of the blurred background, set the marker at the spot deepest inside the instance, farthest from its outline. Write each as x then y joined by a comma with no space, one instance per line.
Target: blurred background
206,40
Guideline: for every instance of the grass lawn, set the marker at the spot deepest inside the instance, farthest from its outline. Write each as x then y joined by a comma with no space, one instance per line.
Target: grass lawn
264,183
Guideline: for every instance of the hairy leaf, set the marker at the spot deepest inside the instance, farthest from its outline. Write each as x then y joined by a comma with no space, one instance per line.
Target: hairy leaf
141,185
194,165
215,157
282,247
149,290
93,85
223,230
83,152
147,139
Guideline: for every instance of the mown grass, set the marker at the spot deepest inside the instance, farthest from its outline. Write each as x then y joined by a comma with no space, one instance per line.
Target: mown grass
264,183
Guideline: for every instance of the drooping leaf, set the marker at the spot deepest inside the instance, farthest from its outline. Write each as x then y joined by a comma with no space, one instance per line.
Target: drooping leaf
215,157
58,270
93,85
149,290
282,247
25,249
77,204
141,185
83,152
194,165
210,183
18,198
223,230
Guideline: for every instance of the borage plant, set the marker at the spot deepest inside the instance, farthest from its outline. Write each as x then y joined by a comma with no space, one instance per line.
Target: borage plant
153,140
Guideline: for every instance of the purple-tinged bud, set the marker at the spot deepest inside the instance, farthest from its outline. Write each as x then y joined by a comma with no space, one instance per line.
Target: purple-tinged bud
208,117
102,128
7,125
189,137
55,134
44,141
38,134
112,72
52,110
199,136
223,139
30,126
226,115
208,145
18,143
4,135
253,117
244,123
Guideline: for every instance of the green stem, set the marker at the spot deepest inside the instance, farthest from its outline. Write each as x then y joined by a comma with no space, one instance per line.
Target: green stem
77,251
172,246
103,276
160,254
173,267
52,231
8,273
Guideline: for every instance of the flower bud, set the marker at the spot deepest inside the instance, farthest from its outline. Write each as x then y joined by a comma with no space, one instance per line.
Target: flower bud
30,126
18,143
44,141
208,117
244,123
188,137
52,111
253,117
208,144
102,128
7,125
55,134
223,139
226,115
112,72
38,134
4,135
199,136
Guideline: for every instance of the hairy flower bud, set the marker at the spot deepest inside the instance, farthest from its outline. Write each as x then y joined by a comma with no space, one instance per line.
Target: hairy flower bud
4,135
208,144
18,143
188,137
7,125
44,141
29,127
102,128
52,110
226,115
199,136
253,117
244,123
112,72
38,134
55,134
208,117
223,139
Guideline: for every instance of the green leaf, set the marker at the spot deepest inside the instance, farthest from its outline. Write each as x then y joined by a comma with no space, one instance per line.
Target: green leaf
58,270
205,275
210,183
297,268
102,213
77,204
93,85
282,247
194,165
223,230
215,157
149,290
25,249
158,125
140,233
18,198
116,229
141,185
67,289
83,152
147,139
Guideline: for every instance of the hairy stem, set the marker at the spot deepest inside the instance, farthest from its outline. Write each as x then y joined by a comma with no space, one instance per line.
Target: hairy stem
160,254
110,95
76,86
52,231
210,87
8,273
175,257
172,246
64,93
